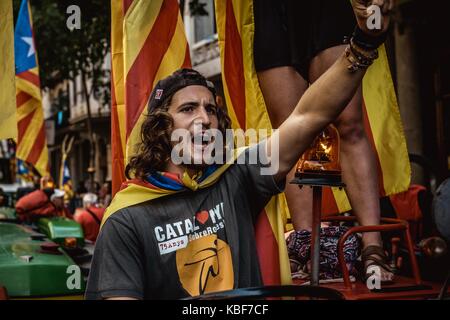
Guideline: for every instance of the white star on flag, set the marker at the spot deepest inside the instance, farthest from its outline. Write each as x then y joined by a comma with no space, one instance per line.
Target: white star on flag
29,41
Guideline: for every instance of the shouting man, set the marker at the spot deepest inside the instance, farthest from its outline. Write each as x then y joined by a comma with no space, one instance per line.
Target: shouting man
185,228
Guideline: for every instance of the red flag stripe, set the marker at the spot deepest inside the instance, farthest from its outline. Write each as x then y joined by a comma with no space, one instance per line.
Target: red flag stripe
38,146
142,73
31,77
117,152
329,205
126,5
22,126
234,65
372,144
267,248
116,143
21,98
187,58
113,88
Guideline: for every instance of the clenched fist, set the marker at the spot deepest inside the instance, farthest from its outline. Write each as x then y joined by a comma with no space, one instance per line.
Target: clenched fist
372,20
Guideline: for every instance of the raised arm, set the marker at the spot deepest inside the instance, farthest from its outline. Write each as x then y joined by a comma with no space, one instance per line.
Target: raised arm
322,103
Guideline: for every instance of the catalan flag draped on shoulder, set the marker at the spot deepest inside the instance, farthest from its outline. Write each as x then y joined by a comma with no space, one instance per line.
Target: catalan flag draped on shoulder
31,141
235,24
148,43
8,121
246,108
161,184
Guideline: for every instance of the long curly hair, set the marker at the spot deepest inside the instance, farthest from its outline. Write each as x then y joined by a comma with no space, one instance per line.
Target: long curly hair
153,152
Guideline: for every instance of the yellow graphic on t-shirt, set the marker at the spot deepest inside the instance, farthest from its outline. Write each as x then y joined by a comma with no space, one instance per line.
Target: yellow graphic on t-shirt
205,265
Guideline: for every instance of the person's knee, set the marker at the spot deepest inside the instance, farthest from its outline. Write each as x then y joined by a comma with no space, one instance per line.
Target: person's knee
351,131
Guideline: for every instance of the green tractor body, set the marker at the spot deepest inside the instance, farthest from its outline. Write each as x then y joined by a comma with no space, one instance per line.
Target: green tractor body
30,266
60,229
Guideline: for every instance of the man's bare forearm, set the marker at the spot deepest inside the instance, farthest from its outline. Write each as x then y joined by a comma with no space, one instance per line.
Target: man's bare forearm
320,105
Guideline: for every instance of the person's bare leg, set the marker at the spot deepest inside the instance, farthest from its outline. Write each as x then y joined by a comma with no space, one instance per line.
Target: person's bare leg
282,88
356,157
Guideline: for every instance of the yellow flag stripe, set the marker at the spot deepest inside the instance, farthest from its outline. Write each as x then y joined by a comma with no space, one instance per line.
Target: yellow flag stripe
137,194
27,108
28,87
256,112
41,164
386,125
25,146
118,63
8,125
275,211
34,70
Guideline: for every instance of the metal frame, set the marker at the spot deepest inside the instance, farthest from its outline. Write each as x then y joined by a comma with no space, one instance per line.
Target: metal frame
389,224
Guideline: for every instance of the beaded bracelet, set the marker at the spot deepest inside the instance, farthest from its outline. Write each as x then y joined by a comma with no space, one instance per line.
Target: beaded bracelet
358,57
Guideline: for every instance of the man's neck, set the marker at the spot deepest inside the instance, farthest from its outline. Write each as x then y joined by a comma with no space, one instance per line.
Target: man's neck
178,169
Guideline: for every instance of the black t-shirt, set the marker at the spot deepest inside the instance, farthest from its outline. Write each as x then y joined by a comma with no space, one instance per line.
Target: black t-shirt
186,244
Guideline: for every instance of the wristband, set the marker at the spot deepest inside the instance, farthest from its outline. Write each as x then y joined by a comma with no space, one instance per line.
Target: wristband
367,42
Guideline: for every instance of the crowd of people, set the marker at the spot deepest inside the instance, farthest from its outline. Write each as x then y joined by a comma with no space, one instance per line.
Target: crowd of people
85,205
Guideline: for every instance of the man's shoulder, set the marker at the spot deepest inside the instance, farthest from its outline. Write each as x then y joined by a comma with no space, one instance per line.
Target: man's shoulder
135,213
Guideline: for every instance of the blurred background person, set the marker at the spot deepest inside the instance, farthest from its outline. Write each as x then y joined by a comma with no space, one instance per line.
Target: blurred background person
90,216
45,202
104,195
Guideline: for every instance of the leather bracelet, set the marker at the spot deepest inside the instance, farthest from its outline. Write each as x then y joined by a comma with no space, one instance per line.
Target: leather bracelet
361,53
354,63
357,59
367,42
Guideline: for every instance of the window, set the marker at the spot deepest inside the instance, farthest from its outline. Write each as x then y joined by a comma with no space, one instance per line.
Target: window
205,26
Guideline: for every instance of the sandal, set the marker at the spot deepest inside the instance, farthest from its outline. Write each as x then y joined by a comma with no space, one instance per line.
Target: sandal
377,257
295,265
297,271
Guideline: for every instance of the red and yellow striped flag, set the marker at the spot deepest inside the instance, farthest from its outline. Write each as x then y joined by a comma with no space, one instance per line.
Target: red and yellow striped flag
148,44
235,24
31,141
236,30
8,121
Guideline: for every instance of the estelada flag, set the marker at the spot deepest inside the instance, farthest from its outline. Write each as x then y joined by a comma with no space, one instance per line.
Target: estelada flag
235,25
23,172
8,121
31,141
148,43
